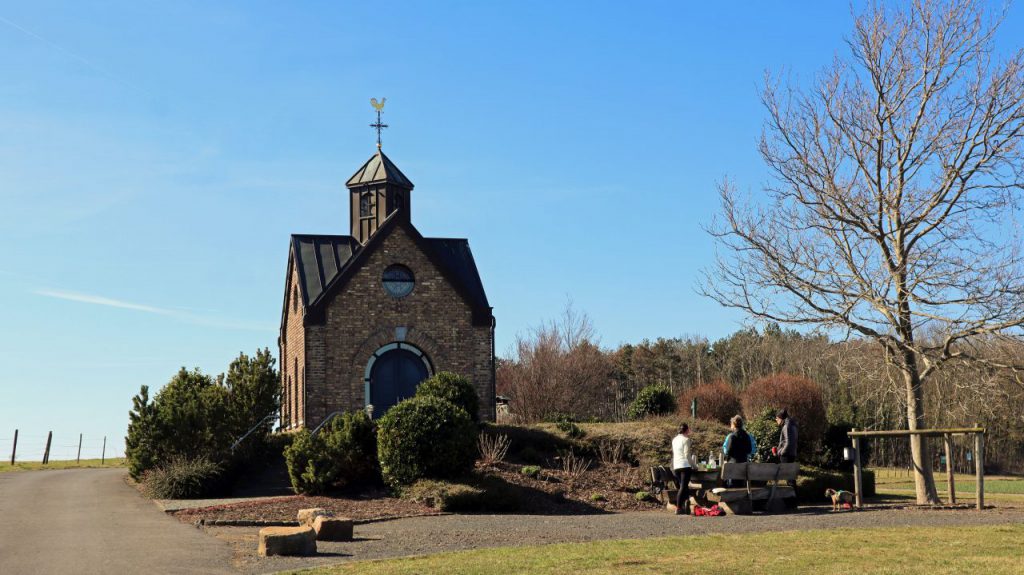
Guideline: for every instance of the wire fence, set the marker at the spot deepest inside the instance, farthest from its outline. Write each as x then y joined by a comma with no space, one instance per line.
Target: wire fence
31,447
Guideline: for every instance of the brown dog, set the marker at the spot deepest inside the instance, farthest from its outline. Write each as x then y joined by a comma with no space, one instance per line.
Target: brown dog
839,498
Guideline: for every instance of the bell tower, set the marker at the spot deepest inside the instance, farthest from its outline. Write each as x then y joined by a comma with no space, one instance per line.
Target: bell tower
377,190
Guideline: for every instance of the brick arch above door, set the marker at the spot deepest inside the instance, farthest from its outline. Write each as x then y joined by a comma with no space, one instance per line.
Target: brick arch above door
398,334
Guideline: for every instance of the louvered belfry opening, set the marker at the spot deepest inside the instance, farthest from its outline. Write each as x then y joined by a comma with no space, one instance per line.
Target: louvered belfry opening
378,189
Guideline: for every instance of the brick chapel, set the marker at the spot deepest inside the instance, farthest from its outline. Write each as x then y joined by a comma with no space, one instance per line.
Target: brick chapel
369,315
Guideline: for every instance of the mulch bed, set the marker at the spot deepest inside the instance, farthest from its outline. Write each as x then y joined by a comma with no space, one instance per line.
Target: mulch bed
285,509
615,484
553,492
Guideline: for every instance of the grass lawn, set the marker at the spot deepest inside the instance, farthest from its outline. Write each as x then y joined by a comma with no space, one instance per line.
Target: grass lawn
927,551
71,464
998,488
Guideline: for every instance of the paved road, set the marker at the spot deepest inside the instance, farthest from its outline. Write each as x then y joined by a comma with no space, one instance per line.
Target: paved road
91,521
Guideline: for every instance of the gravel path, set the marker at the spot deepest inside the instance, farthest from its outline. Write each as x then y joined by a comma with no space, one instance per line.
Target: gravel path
424,535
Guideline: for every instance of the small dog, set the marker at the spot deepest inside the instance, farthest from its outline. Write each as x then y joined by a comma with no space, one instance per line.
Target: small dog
840,498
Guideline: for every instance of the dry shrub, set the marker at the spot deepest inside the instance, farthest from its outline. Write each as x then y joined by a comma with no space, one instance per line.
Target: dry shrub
715,401
493,448
574,466
611,451
559,369
800,396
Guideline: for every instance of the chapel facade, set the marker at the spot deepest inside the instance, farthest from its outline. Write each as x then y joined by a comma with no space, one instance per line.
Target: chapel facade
369,315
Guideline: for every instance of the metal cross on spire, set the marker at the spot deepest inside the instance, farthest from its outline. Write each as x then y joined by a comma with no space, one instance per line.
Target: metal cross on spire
378,125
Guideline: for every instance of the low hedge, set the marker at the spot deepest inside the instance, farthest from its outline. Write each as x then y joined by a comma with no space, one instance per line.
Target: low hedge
813,481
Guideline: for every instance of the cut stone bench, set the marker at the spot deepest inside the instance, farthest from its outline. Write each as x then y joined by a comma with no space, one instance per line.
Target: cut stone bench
332,528
287,541
306,516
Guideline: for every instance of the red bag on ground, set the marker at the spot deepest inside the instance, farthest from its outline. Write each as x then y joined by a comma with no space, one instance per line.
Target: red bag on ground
713,511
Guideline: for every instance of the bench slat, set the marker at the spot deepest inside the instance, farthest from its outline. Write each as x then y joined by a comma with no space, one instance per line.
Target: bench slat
735,470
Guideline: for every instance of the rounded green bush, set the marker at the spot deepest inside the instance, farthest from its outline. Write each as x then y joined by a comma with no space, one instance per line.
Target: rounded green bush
454,388
652,400
425,437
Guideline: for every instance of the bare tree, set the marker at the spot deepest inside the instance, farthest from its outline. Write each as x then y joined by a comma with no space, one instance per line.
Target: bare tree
893,198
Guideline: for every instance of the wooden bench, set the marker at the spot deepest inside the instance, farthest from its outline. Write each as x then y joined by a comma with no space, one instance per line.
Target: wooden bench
739,500
663,480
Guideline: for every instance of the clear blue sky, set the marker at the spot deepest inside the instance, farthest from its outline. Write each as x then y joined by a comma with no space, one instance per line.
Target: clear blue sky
154,158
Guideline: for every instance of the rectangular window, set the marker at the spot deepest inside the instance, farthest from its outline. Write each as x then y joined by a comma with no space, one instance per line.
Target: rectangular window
366,205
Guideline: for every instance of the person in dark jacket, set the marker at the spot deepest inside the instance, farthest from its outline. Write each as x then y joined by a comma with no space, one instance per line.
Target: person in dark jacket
787,441
739,446
787,438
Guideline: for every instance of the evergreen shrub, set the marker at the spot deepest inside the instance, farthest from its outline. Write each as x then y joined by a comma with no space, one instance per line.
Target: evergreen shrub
425,437
652,400
454,388
343,453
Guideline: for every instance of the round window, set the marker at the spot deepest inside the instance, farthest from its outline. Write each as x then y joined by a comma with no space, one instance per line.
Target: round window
398,281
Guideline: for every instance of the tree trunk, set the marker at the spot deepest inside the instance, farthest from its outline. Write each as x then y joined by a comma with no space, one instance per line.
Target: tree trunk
924,480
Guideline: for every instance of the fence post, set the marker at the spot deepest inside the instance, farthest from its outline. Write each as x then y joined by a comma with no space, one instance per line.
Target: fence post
46,454
858,489
78,459
979,467
14,450
103,458
948,440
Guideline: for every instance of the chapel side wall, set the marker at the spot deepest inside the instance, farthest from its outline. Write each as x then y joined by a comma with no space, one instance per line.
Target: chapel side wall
293,357
362,317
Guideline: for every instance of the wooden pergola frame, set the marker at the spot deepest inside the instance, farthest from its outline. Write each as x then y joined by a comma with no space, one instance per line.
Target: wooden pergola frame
947,435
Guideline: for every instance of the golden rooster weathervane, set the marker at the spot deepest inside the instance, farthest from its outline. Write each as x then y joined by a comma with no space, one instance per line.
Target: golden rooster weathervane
379,106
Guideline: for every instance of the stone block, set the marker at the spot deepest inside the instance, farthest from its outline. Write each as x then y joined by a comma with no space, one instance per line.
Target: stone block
332,528
287,541
306,516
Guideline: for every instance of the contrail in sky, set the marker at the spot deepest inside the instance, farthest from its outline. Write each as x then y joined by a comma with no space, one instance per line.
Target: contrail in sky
173,313
67,52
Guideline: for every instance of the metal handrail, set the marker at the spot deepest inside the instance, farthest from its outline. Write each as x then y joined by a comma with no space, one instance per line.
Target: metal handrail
333,414
270,416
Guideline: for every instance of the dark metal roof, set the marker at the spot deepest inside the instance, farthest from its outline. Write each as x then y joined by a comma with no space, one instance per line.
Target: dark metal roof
454,254
378,170
324,264
318,260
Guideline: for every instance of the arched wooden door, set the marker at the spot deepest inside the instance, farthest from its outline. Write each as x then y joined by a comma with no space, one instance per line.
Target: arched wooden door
394,375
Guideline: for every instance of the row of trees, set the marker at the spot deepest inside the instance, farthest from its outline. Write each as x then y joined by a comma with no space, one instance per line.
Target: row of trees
560,368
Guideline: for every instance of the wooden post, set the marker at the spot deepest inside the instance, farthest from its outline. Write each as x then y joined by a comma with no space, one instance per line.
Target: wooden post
979,468
948,439
46,454
14,450
78,459
858,490
103,458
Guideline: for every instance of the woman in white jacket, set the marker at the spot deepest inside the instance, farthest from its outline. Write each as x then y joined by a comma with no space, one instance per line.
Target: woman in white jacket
682,468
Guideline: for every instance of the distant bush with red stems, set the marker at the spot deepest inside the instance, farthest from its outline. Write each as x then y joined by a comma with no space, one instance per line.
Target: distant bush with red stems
798,395
715,401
